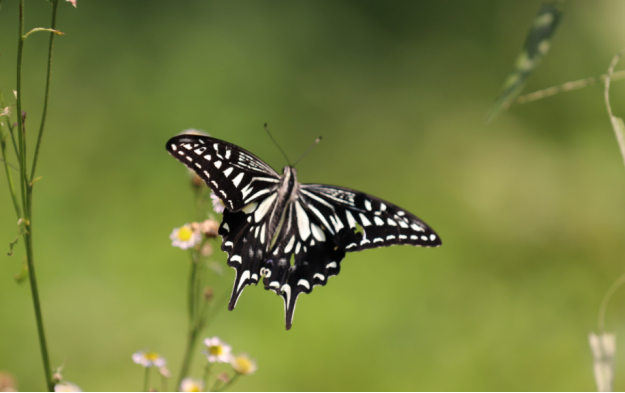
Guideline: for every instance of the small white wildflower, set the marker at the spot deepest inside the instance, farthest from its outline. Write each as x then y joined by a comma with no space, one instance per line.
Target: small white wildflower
218,204
185,237
73,2
217,350
164,371
149,359
67,387
191,385
193,131
242,364
603,348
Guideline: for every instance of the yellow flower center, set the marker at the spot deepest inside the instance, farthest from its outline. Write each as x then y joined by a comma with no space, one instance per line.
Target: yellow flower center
243,365
185,234
151,356
215,350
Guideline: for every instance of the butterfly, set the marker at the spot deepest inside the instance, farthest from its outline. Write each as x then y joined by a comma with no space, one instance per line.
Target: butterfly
292,236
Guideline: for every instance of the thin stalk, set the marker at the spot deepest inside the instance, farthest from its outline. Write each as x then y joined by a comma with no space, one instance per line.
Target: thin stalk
10,126
146,379
606,298
567,86
207,371
16,204
26,205
192,332
55,3
230,382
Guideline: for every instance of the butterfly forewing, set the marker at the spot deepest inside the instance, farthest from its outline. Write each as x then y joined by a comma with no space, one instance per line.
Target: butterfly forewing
359,221
235,175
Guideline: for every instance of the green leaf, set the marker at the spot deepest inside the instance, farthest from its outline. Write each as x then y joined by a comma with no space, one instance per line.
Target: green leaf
536,46
23,274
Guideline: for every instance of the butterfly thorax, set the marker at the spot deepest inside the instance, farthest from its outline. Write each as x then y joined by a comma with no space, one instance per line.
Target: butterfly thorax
287,192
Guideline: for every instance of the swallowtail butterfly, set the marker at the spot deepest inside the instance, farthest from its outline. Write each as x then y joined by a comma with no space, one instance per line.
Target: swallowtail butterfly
292,236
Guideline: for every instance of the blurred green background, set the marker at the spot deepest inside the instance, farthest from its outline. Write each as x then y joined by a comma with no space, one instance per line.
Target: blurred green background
530,208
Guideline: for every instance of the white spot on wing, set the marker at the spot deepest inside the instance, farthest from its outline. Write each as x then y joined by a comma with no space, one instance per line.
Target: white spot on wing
351,245
317,233
382,207
286,288
189,158
264,207
207,157
391,222
187,146
350,219
432,237
244,276
228,171
331,265
218,164
297,248
262,234
174,147
424,238
303,224
226,227
367,204
378,221
289,245
365,221
274,284
378,240
304,283
416,227
235,258
390,237
216,147
237,179
319,276
228,153
255,277
402,237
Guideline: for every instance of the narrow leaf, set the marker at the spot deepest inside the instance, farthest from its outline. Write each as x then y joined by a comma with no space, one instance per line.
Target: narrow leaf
536,47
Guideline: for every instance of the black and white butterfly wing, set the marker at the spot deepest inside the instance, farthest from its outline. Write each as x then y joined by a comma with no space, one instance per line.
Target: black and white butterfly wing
359,221
235,175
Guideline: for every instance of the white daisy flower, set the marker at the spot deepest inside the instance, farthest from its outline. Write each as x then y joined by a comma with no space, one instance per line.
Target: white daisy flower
242,364
185,237
191,385
149,359
218,204
217,351
67,387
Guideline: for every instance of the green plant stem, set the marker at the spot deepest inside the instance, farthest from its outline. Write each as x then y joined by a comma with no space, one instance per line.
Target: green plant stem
10,127
207,371
27,208
55,4
193,331
16,204
146,379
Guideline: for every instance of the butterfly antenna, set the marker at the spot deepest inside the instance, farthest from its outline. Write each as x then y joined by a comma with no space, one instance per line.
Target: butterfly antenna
308,151
276,143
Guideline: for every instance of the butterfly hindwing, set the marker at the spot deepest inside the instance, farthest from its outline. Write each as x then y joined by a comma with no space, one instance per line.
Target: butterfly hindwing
303,256
235,175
